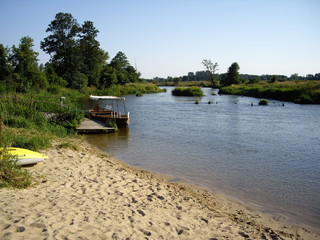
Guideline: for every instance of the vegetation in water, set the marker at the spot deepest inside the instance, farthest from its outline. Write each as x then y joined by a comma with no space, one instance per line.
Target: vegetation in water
307,92
263,102
112,123
190,91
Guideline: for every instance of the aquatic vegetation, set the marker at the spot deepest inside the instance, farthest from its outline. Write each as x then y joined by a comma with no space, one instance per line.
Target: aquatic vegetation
190,91
294,91
263,102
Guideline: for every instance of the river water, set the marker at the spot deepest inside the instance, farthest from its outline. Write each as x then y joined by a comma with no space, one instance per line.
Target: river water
268,156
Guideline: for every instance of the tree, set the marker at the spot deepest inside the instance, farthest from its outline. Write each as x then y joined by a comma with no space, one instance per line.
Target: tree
273,79
94,58
64,49
294,77
52,77
5,69
25,67
133,75
120,61
108,77
176,81
191,76
124,71
4,62
211,69
232,76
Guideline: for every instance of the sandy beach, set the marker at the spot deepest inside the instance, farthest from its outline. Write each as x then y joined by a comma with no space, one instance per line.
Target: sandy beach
87,194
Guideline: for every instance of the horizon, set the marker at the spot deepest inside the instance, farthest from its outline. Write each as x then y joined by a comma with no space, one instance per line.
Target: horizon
171,38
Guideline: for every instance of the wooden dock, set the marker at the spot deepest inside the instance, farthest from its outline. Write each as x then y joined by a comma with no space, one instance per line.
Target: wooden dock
94,126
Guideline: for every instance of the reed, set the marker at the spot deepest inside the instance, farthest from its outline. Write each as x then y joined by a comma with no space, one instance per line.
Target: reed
190,91
303,92
129,89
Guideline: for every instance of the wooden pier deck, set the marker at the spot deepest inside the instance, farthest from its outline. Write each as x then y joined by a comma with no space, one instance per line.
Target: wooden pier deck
94,126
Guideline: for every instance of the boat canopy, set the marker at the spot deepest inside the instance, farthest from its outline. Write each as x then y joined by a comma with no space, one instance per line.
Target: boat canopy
96,98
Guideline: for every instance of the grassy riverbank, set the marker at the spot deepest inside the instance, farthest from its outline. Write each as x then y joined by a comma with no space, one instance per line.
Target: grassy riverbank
33,120
81,192
129,89
304,92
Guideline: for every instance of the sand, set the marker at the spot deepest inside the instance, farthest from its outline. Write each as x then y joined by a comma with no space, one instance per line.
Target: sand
87,194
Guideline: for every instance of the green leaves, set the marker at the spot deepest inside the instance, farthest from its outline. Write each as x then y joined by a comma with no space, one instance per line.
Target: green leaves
26,73
76,54
232,76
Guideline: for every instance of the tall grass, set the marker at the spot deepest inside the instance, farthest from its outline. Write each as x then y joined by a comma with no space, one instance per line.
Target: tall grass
12,175
304,92
39,115
190,91
129,89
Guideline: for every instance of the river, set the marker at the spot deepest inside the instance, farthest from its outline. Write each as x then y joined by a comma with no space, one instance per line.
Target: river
268,156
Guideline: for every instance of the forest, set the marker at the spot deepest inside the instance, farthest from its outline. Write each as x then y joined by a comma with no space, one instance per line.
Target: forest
76,61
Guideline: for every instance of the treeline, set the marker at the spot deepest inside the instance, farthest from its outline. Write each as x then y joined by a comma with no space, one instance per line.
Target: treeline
77,60
205,76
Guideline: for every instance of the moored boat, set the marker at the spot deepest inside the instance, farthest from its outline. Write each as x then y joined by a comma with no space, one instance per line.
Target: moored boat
110,108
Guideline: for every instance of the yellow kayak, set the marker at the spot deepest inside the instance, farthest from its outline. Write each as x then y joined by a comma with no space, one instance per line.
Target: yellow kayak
26,156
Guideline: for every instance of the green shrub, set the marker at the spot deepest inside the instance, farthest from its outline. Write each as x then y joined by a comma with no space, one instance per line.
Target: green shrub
69,145
263,102
11,174
54,89
33,142
304,98
69,119
190,91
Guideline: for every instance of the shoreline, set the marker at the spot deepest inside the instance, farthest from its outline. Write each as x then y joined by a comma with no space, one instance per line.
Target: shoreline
288,217
88,194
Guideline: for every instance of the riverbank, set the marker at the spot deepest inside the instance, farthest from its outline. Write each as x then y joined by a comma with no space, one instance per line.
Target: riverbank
302,92
87,194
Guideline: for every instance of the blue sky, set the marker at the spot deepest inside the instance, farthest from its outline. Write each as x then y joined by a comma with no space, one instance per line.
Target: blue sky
172,37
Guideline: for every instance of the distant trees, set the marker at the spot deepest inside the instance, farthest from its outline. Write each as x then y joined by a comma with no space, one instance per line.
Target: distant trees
232,76
212,68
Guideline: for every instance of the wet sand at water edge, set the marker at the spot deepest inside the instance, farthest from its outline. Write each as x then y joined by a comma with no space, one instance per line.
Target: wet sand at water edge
87,194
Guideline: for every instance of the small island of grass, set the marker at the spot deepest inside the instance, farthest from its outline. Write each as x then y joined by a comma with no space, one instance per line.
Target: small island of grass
188,91
263,102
